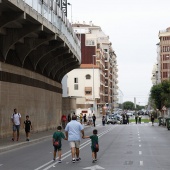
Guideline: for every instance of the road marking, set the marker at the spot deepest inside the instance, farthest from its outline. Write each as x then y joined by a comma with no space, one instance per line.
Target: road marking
140,152
94,167
141,163
139,145
139,140
139,137
67,154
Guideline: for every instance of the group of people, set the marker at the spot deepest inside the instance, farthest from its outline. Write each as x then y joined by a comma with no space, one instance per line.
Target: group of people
73,130
90,120
16,122
138,118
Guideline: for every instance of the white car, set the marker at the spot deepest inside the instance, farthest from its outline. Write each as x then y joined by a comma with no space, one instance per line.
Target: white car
129,113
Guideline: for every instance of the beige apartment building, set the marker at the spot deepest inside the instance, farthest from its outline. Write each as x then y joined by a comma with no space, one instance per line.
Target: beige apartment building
164,45
97,52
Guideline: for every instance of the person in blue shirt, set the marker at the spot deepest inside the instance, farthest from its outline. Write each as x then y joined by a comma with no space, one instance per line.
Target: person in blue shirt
73,131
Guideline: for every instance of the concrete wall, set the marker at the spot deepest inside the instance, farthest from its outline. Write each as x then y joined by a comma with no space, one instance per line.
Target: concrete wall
43,106
68,105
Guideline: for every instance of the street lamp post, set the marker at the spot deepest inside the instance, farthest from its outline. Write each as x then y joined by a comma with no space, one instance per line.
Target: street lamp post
93,87
71,11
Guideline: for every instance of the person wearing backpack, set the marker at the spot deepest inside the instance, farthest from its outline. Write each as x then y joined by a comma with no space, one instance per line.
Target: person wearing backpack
16,120
94,145
57,137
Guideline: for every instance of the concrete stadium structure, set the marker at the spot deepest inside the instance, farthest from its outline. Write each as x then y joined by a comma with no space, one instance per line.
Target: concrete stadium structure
37,48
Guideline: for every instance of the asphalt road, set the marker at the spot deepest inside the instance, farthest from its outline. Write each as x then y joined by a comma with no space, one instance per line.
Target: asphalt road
130,147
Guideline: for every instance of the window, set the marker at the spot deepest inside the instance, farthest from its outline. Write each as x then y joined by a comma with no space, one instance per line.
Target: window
88,90
88,76
75,86
75,80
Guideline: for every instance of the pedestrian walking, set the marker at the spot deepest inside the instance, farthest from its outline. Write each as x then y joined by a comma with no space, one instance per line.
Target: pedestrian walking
94,145
127,118
152,119
27,127
90,119
140,117
103,120
63,121
84,118
57,137
94,120
73,131
81,118
136,117
69,117
16,121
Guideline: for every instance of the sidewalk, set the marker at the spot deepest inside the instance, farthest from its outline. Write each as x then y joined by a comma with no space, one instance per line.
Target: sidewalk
7,143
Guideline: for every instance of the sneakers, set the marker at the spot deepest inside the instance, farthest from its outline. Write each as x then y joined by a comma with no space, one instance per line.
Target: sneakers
73,160
59,161
12,139
78,159
27,139
94,160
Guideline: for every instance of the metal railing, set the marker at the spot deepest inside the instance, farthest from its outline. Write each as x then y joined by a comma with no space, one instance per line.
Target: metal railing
50,10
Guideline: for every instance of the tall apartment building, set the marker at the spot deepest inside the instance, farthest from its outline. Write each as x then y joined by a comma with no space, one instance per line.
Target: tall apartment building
164,45
97,77
156,71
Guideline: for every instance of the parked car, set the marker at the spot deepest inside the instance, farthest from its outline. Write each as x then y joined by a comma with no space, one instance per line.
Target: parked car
111,119
119,119
129,113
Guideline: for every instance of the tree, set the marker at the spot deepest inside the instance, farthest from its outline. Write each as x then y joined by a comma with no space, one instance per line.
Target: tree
128,105
160,93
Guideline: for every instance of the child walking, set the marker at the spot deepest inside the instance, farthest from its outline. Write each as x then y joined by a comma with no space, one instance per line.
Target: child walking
28,127
94,145
57,137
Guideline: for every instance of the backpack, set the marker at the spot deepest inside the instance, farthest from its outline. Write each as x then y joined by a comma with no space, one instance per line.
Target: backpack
57,143
17,113
96,146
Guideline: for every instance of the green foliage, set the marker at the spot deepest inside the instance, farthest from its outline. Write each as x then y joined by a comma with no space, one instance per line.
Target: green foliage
128,105
160,93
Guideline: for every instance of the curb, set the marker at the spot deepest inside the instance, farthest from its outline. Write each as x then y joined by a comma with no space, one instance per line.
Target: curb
20,144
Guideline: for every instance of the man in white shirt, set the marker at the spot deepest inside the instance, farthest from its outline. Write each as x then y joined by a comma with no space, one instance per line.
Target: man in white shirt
16,120
73,131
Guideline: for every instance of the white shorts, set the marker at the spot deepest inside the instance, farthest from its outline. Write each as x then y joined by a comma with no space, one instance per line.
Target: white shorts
74,144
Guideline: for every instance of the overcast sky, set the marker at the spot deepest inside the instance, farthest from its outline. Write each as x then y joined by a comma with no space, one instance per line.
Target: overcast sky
133,27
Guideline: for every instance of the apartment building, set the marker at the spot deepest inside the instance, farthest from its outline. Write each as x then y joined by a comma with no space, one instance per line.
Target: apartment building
95,83
164,45
156,71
